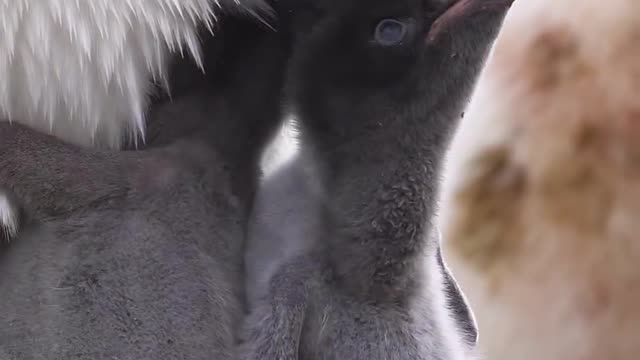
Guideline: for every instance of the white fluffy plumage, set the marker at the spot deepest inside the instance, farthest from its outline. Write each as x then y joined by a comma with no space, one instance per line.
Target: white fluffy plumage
9,217
82,69
542,196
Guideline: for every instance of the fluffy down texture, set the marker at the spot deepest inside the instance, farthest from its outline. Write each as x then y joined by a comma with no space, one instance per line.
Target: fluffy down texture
82,70
542,202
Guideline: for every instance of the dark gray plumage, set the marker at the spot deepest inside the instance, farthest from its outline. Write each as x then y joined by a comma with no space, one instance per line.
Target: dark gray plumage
377,117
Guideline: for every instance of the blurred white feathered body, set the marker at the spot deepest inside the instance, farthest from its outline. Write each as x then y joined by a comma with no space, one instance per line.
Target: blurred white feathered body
83,70
542,198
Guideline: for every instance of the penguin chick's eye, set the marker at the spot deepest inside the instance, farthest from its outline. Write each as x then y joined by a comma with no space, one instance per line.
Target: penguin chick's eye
390,32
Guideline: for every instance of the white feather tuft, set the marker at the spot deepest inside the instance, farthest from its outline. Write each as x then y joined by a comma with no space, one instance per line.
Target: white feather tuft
82,70
9,217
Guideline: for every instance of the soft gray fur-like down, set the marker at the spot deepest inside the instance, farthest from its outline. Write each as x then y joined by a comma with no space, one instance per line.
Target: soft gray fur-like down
286,222
377,118
139,254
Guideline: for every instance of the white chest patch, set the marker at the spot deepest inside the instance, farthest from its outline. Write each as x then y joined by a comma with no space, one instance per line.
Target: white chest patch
82,69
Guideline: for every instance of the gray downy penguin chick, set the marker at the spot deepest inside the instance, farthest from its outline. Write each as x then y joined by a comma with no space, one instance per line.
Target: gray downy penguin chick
138,255
378,88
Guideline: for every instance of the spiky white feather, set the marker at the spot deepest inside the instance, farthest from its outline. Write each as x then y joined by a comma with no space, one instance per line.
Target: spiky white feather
82,69
9,217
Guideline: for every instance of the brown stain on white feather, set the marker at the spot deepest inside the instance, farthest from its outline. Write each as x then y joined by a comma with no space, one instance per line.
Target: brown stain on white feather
546,226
